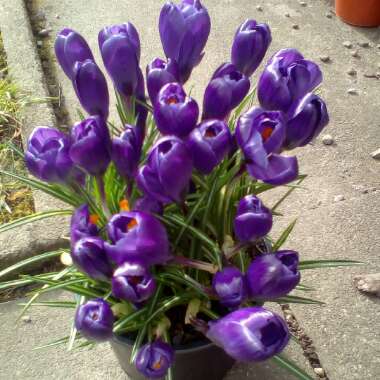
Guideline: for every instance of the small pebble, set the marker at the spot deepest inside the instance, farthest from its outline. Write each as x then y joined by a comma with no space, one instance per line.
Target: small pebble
44,32
26,319
363,44
303,4
327,140
328,15
295,26
370,75
39,43
259,8
57,17
347,44
324,58
378,46
352,72
376,154
355,53
320,372
339,198
352,91
287,14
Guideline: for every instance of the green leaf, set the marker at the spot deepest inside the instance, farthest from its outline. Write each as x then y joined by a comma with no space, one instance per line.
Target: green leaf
297,299
33,218
62,304
282,239
291,189
291,367
53,343
316,264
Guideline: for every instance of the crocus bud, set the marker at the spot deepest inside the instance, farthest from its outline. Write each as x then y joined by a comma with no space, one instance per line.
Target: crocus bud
89,256
126,151
305,121
120,49
70,47
250,45
225,91
133,282
47,155
91,88
184,30
230,287
260,135
273,275
90,145
81,225
174,112
252,220
159,73
250,334
137,235
154,359
94,320
287,78
149,204
208,144
167,173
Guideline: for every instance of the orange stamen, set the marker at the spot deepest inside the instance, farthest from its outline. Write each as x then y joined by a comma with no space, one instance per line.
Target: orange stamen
210,133
124,205
172,100
266,133
94,219
133,223
158,364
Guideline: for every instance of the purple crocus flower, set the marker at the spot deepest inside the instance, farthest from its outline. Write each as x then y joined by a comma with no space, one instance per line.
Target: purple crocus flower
149,204
273,275
184,30
82,225
287,78
91,145
137,235
208,144
159,73
70,47
250,45
126,151
154,359
94,320
174,112
250,334
166,175
260,135
47,155
305,121
230,287
89,256
91,88
252,220
225,91
133,282
120,49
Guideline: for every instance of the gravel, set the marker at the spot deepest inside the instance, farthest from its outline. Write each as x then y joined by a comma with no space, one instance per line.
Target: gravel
352,72
352,91
295,26
339,198
355,53
327,140
325,58
376,154
347,44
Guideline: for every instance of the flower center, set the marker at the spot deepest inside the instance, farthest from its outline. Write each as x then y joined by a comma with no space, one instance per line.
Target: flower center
158,364
266,133
94,315
135,280
172,100
132,224
210,132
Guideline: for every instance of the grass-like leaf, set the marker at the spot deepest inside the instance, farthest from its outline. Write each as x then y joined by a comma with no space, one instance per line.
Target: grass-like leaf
316,264
291,367
61,304
297,299
282,239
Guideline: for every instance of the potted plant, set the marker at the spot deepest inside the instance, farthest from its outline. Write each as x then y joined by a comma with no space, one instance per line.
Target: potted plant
171,257
359,13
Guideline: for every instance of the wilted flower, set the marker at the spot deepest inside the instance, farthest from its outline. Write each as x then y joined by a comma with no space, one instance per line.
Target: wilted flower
250,334
175,113
82,225
154,359
94,320
184,30
148,204
137,235
260,135
225,91
287,78
70,47
159,73
230,287
91,145
120,49
166,175
89,256
47,155
252,220
91,88
250,45
273,275
126,151
208,144
133,282
305,121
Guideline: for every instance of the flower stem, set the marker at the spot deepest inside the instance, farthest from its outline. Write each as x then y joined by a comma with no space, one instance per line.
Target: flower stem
100,184
197,264
229,254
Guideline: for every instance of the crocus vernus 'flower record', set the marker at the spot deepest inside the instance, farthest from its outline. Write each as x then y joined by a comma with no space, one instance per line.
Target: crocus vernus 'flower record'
184,30
273,275
250,44
94,320
250,334
154,359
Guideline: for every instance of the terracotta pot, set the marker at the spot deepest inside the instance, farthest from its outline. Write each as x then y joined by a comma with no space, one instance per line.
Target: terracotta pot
359,12
199,361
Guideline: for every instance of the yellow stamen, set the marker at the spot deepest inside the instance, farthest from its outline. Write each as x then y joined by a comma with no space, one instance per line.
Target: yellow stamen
124,205
94,218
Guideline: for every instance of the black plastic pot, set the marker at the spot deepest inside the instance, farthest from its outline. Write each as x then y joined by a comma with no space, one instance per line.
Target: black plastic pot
201,361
